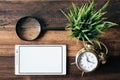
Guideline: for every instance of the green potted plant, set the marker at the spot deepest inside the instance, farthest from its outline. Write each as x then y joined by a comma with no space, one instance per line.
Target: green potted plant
85,23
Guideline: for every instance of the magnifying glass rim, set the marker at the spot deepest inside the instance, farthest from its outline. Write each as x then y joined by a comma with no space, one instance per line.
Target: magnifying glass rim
20,21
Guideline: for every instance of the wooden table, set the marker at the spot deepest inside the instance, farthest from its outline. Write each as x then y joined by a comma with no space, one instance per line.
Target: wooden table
48,11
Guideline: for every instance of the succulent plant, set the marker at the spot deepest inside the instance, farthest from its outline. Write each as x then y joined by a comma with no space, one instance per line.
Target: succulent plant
86,23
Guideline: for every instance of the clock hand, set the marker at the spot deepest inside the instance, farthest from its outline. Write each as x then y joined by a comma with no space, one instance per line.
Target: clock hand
89,60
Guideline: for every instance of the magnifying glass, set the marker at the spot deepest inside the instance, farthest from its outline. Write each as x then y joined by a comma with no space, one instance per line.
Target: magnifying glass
29,28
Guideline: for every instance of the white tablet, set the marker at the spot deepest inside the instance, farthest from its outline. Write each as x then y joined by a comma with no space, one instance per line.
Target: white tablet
40,59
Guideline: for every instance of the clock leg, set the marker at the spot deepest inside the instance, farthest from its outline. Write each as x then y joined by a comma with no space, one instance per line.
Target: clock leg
72,63
82,74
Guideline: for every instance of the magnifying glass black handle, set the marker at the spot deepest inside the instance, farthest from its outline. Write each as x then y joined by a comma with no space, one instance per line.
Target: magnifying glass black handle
54,28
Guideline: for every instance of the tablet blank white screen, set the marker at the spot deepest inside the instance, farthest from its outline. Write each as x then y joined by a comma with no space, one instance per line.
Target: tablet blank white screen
41,59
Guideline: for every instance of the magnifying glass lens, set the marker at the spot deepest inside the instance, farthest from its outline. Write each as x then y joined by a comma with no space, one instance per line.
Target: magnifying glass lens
30,29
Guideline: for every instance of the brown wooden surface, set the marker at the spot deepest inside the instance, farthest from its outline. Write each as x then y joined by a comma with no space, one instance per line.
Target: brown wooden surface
48,11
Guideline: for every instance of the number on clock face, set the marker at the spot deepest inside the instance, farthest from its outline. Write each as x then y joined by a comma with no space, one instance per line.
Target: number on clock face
87,61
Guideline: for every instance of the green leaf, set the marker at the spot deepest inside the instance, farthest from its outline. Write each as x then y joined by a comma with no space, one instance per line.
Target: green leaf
65,14
97,42
88,39
104,6
83,41
85,31
109,24
85,23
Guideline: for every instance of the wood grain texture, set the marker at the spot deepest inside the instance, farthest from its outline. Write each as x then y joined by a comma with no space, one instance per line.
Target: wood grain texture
109,71
50,15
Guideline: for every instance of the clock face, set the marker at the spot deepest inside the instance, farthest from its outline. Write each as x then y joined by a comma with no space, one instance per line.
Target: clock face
87,61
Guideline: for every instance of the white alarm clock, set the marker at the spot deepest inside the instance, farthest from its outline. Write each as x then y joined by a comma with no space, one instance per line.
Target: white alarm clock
89,58
87,61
